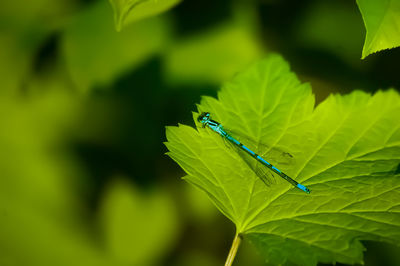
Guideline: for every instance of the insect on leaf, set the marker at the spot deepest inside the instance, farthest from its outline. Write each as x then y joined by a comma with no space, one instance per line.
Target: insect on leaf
346,150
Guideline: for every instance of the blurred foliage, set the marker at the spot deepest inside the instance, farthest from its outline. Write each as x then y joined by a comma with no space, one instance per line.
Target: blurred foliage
320,28
83,175
128,11
96,55
24,28
125,216
206,57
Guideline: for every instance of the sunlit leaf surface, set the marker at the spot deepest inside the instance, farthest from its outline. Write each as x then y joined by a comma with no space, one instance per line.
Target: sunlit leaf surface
347,150
382,22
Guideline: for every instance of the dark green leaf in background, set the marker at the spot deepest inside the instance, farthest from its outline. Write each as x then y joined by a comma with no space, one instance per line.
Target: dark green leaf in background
128,11
24,28
205,57
321,29
96,55
346,151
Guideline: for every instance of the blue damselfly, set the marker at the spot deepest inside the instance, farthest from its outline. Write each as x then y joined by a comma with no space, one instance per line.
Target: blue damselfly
206,121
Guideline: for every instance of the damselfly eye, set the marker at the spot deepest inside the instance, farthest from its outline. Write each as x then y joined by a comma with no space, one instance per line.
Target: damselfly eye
203,117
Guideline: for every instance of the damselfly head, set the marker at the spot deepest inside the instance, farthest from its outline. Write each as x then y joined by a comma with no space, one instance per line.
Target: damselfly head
204,118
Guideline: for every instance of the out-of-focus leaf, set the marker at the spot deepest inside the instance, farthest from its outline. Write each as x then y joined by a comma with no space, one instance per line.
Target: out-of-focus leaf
96,54
198,205
380,253
321,29
39,210
346,151
31,128
128,11
41,221
16,57
138,228
382,22
198,258
29,236
215,55
23,29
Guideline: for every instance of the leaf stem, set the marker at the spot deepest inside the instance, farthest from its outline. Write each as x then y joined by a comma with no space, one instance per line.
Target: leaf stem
233,251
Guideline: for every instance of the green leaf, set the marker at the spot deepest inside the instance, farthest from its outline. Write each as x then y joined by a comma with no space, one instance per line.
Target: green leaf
346,151
96,54
211,60
206,57
138,228
128,11
382,22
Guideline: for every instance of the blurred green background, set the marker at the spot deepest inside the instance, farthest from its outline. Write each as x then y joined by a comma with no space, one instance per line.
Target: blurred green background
83,109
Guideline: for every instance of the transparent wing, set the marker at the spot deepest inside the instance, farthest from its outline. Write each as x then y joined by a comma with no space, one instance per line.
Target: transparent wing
258,168
265,174
275,156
